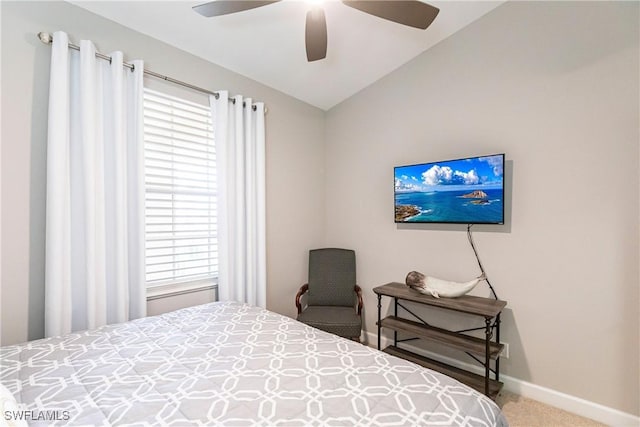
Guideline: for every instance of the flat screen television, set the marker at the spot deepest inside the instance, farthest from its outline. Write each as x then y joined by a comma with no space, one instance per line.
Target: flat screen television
462,191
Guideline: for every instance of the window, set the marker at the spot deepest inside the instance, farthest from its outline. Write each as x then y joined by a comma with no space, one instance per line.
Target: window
180,196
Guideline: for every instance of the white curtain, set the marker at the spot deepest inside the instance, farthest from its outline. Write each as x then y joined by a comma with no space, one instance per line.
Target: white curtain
239,133
94,273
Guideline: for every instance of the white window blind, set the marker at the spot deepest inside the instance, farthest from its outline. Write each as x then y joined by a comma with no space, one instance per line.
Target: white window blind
180,181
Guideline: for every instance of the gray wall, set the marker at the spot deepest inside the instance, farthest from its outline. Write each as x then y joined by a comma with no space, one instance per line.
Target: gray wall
295,139
555,86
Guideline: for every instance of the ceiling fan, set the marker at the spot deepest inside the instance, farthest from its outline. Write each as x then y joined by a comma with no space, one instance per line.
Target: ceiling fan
407,12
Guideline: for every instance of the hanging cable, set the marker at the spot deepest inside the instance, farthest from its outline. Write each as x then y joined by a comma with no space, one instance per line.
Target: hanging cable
475,251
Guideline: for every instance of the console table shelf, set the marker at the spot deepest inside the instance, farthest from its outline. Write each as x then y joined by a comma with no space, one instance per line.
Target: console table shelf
442,336
489,350
476,382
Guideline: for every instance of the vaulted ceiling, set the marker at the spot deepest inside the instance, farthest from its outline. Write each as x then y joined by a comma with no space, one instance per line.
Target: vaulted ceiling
267,44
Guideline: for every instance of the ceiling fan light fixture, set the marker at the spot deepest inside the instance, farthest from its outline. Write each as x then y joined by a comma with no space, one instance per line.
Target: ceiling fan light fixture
413,13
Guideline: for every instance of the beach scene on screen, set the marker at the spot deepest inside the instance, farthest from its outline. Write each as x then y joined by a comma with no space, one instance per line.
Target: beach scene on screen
469,191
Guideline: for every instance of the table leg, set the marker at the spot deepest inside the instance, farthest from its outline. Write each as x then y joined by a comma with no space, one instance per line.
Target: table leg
395,313
498,341
379,326
488,333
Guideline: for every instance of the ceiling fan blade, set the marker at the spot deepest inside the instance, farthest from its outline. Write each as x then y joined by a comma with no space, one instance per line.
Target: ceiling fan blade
407,12
224,7
316,35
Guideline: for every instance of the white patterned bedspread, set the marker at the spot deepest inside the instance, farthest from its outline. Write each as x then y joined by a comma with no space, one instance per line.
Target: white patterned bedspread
233,365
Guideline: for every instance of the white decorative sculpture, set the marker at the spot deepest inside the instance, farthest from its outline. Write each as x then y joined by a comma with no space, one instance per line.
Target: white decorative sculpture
439,287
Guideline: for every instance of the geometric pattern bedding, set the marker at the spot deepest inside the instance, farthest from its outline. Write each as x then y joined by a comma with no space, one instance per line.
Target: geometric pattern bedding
229,364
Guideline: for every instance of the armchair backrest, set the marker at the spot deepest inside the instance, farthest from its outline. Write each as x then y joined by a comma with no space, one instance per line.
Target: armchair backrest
332,277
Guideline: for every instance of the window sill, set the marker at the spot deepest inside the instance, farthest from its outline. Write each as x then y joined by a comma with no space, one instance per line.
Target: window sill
174,289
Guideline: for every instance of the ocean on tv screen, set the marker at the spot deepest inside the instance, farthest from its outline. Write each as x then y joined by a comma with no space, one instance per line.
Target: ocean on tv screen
469,207
456,191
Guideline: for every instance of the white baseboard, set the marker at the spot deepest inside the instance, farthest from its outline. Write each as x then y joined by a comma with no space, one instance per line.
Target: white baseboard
566,402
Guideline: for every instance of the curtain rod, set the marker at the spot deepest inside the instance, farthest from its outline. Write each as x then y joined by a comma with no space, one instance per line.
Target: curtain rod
47,38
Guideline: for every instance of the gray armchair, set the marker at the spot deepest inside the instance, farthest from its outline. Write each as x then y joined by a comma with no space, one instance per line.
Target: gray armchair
333,300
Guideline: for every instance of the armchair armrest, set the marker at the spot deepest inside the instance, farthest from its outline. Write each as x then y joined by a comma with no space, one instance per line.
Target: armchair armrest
304,288
358,292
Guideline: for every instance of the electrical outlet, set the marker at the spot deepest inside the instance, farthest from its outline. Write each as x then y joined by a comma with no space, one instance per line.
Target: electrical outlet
505,350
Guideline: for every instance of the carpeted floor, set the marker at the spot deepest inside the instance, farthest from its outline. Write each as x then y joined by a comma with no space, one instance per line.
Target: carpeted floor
522,412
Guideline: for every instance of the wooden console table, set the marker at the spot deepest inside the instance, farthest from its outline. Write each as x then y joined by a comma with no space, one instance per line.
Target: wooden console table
489,350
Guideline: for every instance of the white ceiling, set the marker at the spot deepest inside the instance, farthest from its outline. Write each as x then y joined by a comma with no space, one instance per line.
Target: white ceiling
267,44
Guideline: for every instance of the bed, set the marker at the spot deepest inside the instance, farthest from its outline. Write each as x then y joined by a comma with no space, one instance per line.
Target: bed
229,364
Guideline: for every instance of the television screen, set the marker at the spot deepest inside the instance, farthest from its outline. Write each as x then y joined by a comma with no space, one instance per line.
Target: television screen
463,191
